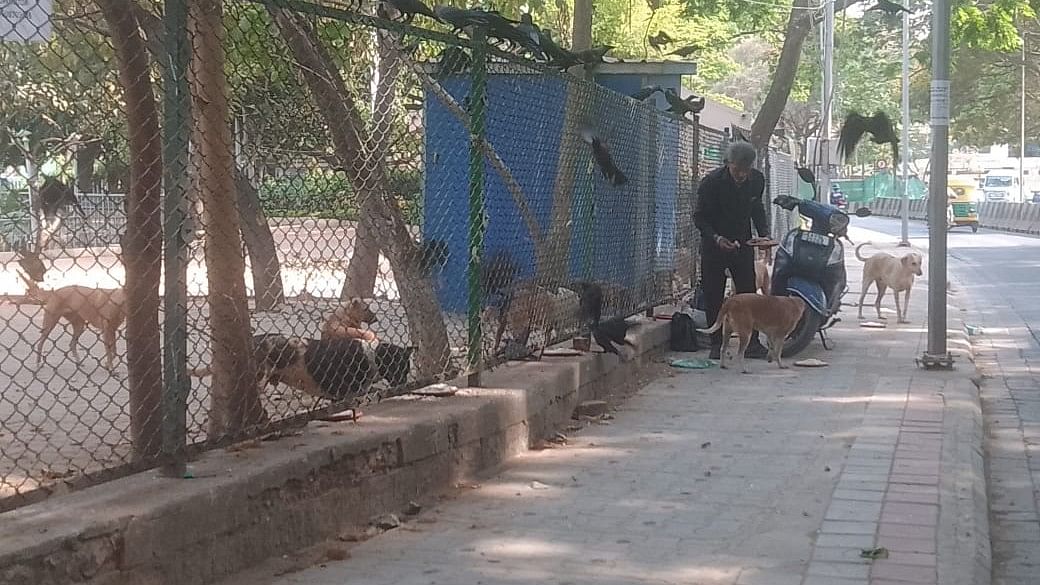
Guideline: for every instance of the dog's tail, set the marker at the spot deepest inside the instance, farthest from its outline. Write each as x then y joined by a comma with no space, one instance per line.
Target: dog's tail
200,372
858,255
718,320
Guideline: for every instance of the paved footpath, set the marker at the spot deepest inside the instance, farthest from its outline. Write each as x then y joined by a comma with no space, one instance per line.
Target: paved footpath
714,477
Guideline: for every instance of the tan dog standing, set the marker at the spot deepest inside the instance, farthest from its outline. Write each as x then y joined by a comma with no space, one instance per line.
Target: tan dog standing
744,313
348,321
886,271
101,308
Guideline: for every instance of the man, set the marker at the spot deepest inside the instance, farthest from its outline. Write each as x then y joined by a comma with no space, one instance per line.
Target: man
728,200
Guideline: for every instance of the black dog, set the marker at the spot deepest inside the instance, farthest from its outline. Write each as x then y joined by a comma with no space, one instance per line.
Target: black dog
327,368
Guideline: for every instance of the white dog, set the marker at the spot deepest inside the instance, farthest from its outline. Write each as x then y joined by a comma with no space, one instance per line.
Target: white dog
888,272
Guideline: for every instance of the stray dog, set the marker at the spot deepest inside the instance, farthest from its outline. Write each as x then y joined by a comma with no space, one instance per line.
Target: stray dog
532,307
744,313
762,264
888,272
348,322
101,308
326,368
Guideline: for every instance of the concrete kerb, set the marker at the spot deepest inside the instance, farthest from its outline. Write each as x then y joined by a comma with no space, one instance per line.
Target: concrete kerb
257,501
964,541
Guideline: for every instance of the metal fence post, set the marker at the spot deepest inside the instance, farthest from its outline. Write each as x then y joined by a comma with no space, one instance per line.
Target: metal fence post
176,124
477,213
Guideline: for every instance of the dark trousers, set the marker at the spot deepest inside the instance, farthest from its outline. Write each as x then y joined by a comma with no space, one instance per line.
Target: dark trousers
714,262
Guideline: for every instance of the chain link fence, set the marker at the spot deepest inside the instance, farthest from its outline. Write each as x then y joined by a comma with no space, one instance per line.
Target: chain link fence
248,215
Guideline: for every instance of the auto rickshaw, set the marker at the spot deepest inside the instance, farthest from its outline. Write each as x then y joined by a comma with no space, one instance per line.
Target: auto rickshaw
962,210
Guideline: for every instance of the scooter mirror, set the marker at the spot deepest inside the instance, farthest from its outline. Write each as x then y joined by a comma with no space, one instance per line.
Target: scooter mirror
807,176
864,212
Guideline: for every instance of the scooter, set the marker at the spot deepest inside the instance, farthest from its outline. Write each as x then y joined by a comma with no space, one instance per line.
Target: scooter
810,264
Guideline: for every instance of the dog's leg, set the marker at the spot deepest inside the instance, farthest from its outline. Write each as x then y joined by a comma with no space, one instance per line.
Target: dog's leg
780,355
745,340
725,343
78,326
881,288
50,321
863,297
906,307
108,336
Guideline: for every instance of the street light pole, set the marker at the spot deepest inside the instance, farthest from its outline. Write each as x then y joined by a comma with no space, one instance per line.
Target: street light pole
1022,129
905,146
827,39
937,355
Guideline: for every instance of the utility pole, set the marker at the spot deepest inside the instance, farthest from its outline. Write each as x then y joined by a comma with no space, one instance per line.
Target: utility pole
1022,127
905,146
827,97
937,355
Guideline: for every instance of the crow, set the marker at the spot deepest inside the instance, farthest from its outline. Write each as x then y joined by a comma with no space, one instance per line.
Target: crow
681,107
604,161
880,128
461,19
409,8
660,40
688,50
593,55
555,54
590,301
889,7
611,332
646,92
55,195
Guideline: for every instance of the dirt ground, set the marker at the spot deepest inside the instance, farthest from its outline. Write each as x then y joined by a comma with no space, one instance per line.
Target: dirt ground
65,418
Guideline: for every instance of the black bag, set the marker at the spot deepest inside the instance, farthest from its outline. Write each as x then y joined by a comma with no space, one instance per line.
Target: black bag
683,333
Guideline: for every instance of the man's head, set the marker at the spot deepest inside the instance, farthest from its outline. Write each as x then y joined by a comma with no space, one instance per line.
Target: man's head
740,159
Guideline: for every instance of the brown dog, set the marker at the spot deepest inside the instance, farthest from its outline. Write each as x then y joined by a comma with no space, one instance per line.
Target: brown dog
762,264
888,272
101,308
348,322
744,313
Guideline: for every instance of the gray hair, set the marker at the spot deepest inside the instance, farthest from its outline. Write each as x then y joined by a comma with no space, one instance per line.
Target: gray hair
741,153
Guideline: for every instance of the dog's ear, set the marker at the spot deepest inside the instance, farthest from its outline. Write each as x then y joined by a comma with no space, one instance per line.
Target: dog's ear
905,260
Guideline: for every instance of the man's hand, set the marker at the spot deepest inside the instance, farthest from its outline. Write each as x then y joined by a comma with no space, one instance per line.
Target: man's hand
726,244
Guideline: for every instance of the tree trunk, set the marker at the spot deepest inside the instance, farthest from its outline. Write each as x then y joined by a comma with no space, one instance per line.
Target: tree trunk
263,254
363,269
426,324
142,242
798,26
86,156
235,402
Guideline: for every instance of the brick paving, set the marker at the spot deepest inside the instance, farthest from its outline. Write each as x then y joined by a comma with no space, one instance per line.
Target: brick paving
713,477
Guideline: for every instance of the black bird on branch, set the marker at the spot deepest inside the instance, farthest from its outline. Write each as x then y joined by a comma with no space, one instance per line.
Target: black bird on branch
679,106
460,18
613,331
532,31
660,40
889,7
555,54
880,128
409,8
646,92
604,161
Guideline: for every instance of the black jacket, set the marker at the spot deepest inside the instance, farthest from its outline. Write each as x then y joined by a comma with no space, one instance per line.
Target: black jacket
726,209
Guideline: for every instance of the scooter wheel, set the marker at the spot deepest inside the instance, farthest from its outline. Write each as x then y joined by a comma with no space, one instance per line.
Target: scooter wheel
803,333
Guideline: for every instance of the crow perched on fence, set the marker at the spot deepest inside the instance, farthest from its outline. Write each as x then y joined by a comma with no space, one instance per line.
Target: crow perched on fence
880,128
409,8
688,50
679,106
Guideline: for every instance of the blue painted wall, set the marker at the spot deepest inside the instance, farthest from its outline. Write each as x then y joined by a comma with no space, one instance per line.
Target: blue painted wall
619,234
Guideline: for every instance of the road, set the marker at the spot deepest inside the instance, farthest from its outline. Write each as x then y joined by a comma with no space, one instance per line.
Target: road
1000,275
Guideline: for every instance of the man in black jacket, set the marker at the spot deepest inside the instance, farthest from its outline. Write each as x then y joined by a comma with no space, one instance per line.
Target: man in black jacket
728,201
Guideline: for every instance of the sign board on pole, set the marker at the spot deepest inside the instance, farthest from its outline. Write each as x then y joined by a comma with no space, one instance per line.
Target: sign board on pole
940,102
25,21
